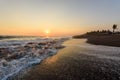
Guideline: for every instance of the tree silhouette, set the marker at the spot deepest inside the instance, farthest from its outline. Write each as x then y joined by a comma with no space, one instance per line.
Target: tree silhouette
114,27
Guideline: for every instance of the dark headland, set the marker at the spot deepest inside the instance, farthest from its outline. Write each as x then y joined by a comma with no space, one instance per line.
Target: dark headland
104,37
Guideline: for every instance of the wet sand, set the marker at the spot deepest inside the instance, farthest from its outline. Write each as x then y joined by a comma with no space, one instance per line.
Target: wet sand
78,61
108,40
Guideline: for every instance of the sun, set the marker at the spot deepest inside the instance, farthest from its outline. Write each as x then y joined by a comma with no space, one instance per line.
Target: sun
47,31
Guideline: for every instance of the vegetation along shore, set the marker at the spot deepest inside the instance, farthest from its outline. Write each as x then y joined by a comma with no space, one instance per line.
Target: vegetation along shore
104,37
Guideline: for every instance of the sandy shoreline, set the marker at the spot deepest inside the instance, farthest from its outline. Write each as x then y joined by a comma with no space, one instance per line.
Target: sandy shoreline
107,40
78,61
101,39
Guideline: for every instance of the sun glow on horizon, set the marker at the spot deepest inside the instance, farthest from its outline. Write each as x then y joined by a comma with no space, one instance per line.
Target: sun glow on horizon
47,31
56,17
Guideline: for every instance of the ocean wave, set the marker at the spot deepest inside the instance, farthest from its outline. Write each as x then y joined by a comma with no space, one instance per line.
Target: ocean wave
14,58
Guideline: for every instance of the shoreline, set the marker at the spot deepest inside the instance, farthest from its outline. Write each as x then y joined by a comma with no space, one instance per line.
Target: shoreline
18,58
106,40
78,61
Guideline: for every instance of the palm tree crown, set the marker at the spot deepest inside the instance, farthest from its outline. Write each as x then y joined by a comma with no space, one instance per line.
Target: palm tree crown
114,27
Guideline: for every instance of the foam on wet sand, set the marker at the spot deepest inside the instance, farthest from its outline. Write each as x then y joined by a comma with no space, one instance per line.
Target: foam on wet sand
18,55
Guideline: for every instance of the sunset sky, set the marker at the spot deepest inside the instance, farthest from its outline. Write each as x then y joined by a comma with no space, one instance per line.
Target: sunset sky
57,17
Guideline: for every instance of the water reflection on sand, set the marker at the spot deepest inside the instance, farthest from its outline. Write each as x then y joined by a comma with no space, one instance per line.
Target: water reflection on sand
79,61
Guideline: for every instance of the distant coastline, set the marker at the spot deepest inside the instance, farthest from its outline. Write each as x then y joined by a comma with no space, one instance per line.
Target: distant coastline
104,37
108,40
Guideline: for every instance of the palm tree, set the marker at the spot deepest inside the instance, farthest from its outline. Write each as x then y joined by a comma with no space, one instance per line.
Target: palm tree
114,27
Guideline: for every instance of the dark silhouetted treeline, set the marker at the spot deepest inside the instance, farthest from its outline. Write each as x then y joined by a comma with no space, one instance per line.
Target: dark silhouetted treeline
106,32
100,32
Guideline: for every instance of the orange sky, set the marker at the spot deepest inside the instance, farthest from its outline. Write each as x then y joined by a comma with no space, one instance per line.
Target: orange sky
60,17
40,31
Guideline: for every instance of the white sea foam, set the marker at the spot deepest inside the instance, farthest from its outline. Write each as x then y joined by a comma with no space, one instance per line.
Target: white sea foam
34,53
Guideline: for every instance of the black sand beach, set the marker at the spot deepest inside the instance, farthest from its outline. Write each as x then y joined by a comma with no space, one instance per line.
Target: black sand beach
78,61
108,40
